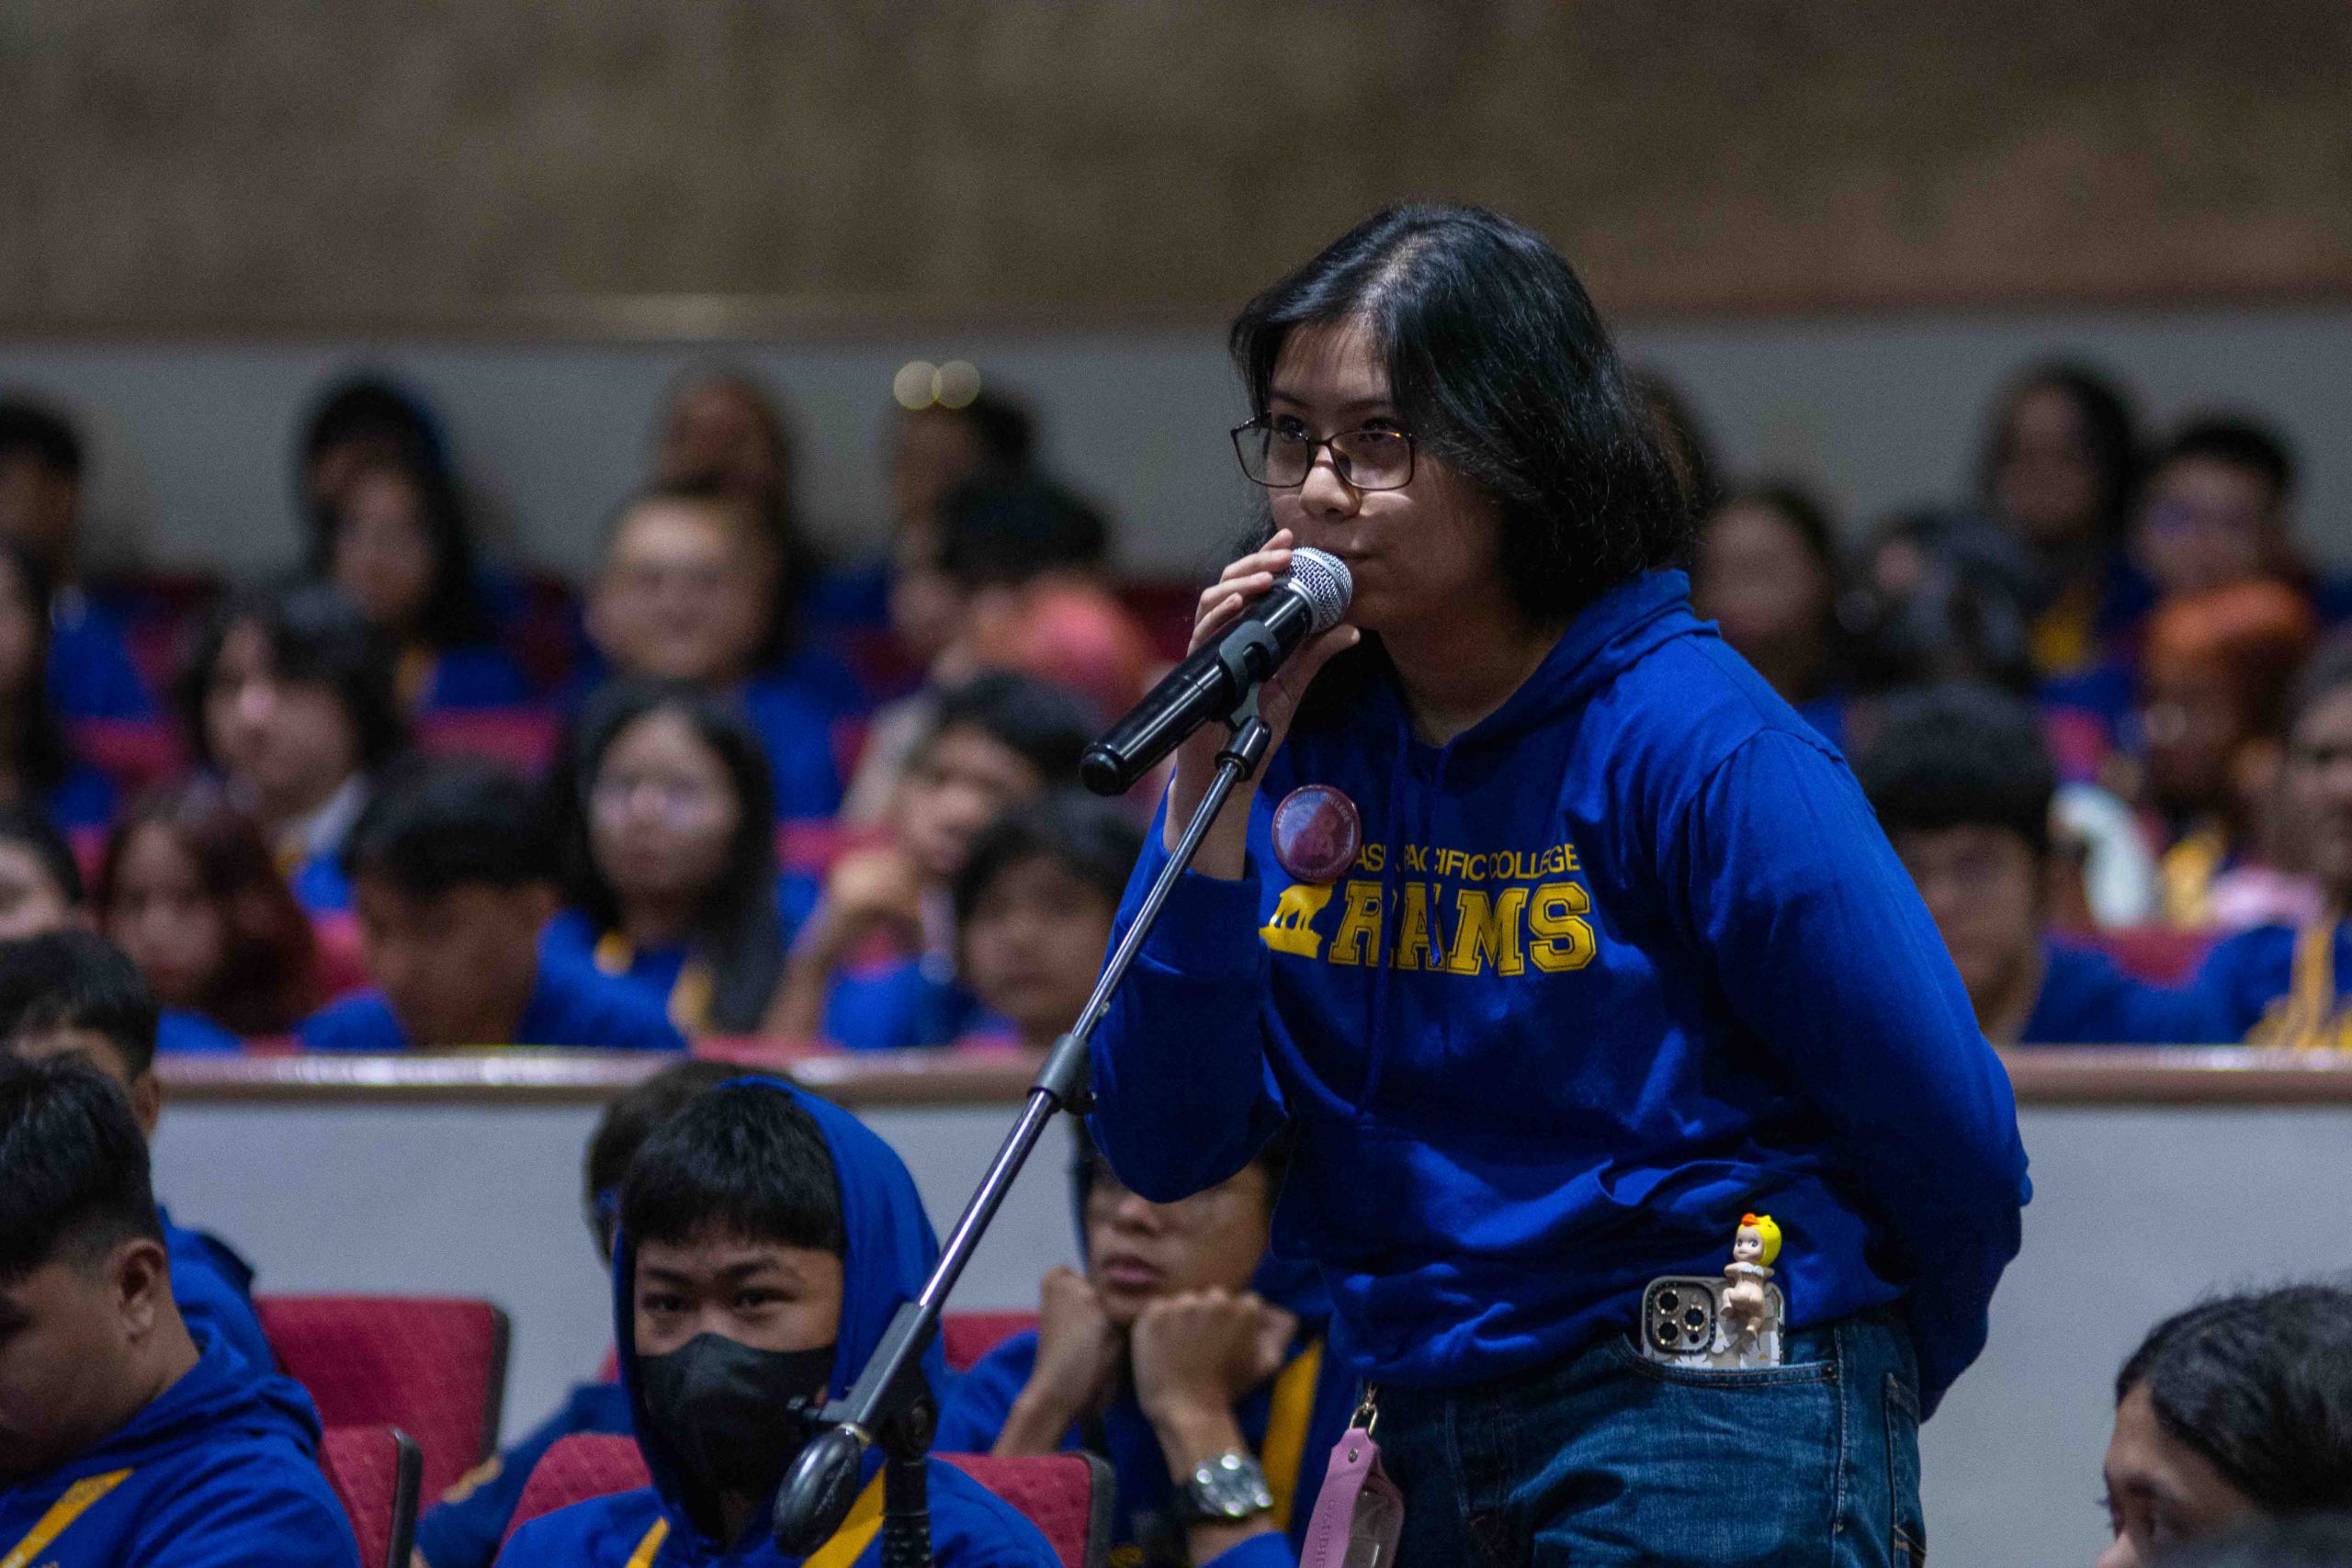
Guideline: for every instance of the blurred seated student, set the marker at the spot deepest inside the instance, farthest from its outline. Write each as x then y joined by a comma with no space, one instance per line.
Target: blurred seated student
766,1240
1765,570
2234,1410
2217,668
2218,509
874,966
1015,581
37,766
2282,985
1961,780
2060,470
187,889
89,668
1689,451
1943,596
453,876
687,592
40,882
396,542
129,1434
1174,1352
1034,907
464,1528
71,993
668,841
288,698
359,422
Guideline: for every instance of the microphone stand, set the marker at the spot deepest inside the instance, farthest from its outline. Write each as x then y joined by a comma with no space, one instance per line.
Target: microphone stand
819,1490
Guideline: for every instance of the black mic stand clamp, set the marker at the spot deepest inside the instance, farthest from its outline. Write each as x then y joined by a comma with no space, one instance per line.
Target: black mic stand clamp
890,1403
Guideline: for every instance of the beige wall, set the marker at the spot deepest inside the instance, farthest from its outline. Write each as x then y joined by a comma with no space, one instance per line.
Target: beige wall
453,166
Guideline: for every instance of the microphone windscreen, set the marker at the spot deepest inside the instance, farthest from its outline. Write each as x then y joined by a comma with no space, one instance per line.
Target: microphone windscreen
1323,580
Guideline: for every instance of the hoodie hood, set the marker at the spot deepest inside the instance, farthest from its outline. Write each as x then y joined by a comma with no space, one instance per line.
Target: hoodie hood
891,1251
216,1400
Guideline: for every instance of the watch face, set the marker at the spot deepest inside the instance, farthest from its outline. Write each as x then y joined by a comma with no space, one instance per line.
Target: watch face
1229,1486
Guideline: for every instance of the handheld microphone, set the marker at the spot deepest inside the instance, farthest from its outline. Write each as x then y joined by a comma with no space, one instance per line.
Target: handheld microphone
1305,600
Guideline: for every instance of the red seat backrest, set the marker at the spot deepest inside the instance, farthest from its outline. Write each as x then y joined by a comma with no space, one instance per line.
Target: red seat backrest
375,1472
2162,955
966,1337
520,738
134,753
1067,1497
343,961
584,1465
434,1367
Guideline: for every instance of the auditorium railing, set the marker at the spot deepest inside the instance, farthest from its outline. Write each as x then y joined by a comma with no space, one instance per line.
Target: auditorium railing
2104,1075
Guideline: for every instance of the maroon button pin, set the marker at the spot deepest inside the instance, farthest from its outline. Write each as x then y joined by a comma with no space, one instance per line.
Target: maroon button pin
1317,833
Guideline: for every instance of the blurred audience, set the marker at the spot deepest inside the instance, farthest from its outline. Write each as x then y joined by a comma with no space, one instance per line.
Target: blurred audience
2059,468
35,767
2232,1410
361,421
188,891
110,1390
40,882
1175,1348
687,592
71,993
1963,783
2280,984
1943,596
465,1528
666,829
1034,905
2216,509
874,967
1688,449
395,541
288,699
453,877
1765,570
89,666
2216,670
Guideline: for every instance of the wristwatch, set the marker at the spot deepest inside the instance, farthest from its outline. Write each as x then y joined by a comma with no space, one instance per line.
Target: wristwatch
1227,1489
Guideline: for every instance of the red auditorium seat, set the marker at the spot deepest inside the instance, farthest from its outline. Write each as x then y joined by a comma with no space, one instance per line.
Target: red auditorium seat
520,738
2159,954
376,1472
434,1367
811,844
1067,1497
134,753
343,962
966,1337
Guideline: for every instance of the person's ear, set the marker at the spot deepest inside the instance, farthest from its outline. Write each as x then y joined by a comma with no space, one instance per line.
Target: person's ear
139,1273
147,1103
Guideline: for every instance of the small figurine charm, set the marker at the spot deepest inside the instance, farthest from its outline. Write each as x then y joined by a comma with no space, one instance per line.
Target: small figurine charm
1747,1304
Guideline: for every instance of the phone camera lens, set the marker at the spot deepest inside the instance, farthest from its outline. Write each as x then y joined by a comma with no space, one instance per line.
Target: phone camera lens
1696,1318
1668,1301
1666,1338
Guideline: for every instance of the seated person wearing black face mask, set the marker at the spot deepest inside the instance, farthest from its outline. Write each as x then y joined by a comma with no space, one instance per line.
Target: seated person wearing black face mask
766,1240
1187,1358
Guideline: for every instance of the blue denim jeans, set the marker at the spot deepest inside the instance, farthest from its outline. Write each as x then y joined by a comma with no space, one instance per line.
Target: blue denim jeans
1607,1457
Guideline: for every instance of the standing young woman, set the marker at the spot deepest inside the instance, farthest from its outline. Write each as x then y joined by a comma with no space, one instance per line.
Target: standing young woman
1623,957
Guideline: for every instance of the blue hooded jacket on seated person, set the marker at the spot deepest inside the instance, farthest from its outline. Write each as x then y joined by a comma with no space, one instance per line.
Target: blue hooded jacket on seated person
1290,1422
1624,959
220,1471
214,1288
891,1251
2087,1000
571,1004
465,1528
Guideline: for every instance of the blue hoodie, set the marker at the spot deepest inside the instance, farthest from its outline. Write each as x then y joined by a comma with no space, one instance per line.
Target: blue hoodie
891,1249
214,1288
1315,1394
219,1469
1651,964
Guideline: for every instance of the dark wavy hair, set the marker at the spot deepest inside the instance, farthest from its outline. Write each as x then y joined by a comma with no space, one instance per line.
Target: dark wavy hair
742,930
37,740
1501,369
2261,1386
268,977
452,614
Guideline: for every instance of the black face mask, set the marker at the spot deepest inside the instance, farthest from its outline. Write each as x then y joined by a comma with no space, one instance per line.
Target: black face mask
735,1416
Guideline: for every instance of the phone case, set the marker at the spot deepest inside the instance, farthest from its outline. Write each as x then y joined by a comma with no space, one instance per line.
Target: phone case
1682,1327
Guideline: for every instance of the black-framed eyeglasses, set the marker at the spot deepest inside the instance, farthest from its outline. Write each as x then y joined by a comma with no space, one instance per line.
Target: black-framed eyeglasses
1280,454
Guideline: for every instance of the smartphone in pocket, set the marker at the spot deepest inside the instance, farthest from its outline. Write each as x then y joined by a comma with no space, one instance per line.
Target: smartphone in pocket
1682,1326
